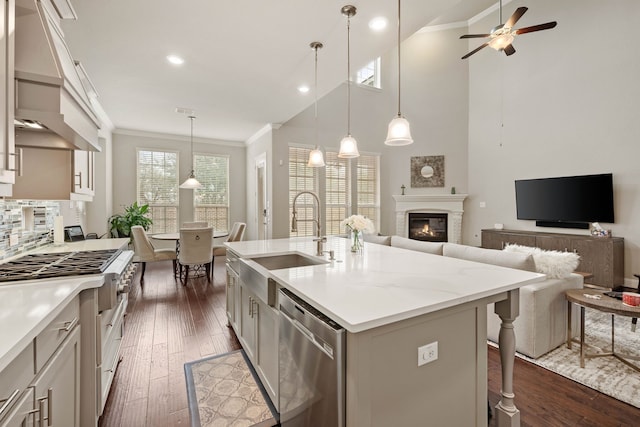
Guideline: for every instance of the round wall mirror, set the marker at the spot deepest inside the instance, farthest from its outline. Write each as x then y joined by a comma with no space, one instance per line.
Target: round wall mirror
426,171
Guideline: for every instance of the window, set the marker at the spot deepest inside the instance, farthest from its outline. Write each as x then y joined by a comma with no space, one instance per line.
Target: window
302,178
337,191
369,75
211,201
158,187
334,184
368,187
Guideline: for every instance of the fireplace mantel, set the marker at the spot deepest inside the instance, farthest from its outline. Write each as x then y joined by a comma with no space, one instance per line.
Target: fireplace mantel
452,204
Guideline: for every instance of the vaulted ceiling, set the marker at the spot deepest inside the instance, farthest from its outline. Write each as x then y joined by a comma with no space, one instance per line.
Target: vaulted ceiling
244,60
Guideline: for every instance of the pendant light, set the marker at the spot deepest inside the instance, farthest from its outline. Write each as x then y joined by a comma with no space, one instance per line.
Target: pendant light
316,159
191,182
399,132
348,145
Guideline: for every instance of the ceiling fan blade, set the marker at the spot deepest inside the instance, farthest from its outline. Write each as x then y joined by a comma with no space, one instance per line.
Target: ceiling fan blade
474,36
533,28
475,50
515,17
509,50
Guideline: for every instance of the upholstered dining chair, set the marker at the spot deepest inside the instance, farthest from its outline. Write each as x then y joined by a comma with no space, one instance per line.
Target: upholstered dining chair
235,235
196,246
195,224
145,252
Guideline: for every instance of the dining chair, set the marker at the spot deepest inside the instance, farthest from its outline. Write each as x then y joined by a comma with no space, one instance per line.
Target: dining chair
235,235
196,246
195,224
145,252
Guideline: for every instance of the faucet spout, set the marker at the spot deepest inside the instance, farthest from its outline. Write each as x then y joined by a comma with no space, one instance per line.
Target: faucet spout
295,220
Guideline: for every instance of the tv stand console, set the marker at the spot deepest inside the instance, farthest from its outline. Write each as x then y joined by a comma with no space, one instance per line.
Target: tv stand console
603,257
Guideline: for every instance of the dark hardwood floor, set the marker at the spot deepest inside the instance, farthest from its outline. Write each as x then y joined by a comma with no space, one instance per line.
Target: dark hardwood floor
169,324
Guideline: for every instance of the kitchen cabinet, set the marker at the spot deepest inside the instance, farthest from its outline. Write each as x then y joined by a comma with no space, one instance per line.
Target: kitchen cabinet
42,383
232,289
267,347
83,172
54,174
248,319
7,56
603,257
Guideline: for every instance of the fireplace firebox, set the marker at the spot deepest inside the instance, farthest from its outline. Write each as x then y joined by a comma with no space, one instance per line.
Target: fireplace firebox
430,227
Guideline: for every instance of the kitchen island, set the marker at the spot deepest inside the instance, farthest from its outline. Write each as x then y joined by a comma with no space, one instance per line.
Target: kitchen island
392,301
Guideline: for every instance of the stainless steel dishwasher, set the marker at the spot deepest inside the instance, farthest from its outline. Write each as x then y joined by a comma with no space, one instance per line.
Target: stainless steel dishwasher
312,366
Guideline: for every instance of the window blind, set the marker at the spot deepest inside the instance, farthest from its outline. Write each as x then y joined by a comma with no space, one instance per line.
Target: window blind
157,182
211,201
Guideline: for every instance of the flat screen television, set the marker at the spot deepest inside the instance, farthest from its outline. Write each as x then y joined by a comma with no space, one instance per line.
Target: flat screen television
567,202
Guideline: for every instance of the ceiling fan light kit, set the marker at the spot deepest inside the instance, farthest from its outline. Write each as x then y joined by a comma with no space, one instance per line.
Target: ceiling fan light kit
348,145
316,158
502,36
399,131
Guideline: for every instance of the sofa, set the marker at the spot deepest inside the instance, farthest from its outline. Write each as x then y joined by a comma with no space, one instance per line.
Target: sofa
542,323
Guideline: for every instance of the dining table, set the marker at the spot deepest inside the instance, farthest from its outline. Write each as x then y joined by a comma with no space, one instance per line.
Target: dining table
176,237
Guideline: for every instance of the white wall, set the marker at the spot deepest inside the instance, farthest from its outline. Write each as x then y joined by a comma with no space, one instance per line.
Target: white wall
568,99
434,100
124,169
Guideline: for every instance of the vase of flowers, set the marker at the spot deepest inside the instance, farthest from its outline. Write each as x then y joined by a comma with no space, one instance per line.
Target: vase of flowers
356,225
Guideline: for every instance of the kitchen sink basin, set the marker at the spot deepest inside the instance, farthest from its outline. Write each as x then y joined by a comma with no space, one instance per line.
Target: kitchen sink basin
276,262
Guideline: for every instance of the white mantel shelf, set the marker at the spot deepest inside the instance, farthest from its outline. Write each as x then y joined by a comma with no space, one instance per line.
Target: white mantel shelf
417,198
451,204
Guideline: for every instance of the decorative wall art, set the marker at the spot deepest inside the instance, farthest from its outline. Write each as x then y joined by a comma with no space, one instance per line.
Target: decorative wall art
427,171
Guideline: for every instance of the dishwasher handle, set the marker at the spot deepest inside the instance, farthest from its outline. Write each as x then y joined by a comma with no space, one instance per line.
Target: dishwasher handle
319,343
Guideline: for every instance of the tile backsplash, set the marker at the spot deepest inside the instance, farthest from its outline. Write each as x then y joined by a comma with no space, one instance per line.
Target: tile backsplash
25,225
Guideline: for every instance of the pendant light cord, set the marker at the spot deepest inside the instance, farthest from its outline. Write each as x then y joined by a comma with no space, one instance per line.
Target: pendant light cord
348,75
399,114
191,118
316,93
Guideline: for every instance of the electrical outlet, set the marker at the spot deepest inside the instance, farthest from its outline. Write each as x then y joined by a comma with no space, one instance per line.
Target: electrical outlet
427,353
13,239
483,204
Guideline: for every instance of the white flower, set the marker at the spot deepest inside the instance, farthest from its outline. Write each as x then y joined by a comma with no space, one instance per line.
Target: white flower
358,223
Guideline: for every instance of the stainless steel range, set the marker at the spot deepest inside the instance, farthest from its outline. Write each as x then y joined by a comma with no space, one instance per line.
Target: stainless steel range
114,264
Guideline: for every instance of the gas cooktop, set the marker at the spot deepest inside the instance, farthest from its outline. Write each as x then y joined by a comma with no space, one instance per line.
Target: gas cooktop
42,266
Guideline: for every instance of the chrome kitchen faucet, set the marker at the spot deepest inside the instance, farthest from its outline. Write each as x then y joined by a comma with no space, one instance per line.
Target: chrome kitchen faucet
294,221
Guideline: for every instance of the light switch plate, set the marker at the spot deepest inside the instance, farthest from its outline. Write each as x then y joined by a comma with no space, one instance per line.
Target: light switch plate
427,353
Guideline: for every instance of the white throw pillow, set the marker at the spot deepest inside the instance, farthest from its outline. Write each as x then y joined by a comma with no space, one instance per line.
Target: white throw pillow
555,264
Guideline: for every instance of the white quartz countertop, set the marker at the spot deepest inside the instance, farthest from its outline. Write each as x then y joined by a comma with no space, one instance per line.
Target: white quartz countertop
384,284
27,307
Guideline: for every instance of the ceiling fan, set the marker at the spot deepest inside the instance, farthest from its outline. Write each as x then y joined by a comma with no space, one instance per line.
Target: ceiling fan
501,37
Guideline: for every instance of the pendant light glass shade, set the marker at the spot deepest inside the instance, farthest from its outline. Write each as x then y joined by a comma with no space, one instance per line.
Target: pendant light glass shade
348,145
316,158
399,132
348,148
191,182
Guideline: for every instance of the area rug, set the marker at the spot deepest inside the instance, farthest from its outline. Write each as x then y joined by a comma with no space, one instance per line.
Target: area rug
225,391
605,374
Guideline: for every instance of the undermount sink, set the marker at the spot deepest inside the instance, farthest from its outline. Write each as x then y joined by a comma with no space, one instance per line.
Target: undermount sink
276,262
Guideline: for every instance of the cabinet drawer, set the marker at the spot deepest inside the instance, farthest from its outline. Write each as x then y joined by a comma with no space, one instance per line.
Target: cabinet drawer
52,336
110,359
16,376
109,319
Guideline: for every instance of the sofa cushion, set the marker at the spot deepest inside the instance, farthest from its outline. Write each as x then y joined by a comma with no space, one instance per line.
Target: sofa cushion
417,245
555,264
380,240
490,256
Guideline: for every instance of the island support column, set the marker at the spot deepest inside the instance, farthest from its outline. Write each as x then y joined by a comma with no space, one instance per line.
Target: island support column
506,412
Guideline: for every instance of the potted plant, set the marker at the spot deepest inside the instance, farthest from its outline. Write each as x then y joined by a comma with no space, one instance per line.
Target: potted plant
120,224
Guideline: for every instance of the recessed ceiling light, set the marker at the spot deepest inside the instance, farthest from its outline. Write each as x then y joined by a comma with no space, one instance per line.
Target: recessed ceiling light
378,24
174,59
303,89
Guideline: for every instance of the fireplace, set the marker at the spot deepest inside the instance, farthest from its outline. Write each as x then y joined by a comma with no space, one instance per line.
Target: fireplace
433,205
429,227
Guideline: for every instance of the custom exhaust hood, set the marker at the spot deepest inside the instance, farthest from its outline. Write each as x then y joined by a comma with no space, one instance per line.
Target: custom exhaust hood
52,102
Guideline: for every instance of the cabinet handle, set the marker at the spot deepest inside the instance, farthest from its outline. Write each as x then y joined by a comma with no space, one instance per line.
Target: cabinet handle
255,310
79,175
18,160
9,401
69,325
250,307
